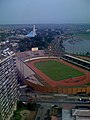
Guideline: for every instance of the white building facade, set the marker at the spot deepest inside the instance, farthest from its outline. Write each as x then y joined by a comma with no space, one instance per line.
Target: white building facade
8,87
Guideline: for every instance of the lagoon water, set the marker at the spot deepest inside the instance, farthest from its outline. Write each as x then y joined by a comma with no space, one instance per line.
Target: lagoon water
76,46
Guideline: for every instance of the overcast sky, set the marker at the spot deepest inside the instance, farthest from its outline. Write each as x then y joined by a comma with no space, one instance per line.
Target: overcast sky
44,11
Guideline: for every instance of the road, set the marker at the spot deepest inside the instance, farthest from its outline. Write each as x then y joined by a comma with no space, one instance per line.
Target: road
66,102
51,98
66,110
41,114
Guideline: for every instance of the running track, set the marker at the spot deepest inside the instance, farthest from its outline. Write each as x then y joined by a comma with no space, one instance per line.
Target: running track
77,81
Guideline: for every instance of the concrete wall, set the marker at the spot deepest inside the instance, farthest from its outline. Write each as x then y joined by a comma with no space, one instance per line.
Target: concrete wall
23,68
59,89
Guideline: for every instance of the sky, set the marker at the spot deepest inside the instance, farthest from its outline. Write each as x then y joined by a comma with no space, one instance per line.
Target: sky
44,11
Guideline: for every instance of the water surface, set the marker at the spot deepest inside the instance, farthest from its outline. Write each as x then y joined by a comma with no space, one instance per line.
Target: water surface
77,46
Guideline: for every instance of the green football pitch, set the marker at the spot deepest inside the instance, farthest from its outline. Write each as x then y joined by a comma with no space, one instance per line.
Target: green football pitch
56,70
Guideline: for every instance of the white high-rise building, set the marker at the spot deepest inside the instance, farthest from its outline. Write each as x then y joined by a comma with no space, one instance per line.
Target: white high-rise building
8,86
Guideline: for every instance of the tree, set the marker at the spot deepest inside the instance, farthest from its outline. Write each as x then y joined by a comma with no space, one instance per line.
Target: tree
87,54
32,106
20,104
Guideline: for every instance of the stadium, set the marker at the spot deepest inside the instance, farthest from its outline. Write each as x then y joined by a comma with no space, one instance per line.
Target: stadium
50,74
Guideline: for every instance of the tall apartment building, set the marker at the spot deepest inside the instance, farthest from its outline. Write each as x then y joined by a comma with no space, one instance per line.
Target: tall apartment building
8,86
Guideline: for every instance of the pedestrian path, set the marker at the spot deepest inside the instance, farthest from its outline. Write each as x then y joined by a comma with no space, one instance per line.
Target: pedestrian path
66,115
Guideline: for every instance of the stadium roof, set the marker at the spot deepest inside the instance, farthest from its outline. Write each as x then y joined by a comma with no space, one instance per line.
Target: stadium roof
78,58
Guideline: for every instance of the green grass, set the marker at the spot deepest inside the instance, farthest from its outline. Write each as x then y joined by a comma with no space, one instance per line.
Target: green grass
57,71
83,36
32,107
88,84
17,114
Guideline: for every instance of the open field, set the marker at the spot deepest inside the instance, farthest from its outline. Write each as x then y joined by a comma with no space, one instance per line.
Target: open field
56,70
83,35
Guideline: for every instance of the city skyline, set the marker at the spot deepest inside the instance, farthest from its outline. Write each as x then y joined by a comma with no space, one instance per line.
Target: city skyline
40,11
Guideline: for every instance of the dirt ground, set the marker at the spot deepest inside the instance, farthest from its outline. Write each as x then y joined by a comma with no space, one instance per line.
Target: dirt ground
27,115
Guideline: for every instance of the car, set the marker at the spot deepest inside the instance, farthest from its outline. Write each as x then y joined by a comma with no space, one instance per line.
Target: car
84,100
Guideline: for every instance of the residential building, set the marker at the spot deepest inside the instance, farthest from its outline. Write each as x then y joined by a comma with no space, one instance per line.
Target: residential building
8,85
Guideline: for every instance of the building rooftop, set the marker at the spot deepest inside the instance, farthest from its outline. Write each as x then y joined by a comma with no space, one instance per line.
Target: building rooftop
85,113
5,53
32,33
31,54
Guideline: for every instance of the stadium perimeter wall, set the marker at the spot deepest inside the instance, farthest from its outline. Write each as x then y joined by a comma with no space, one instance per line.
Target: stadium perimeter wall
63,90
